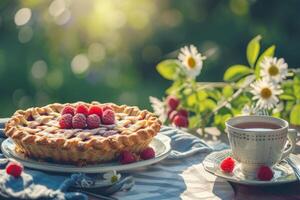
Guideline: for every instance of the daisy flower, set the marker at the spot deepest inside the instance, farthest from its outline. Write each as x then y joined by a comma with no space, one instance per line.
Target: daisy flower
191,60
274,69
112,177
266,92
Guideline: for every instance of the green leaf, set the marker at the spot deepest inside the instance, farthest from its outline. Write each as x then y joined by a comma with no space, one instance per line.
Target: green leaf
236,72
191,100
175,87
295,115
202,95
168,69
277,114
286,97
269,52
207,105
253,50
214,94
296,87
194,121
288,87
228,91
219,120
240,101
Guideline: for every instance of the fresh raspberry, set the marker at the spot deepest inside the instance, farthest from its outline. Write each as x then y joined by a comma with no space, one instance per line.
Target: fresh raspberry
264,173
183,112
93,121
82,109
79,121
68,110
65,121
95,110
181,121
14,169
106,107
227,165
172,102
172,114
126,157
108,117
147,153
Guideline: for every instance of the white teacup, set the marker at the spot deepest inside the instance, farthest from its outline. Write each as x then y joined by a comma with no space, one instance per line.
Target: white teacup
262,145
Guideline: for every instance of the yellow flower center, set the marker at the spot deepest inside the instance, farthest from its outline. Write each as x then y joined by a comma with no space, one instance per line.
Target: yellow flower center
191,62
273,70
114,179
266,93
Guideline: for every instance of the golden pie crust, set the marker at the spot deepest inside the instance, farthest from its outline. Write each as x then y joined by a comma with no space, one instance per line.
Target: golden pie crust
37,134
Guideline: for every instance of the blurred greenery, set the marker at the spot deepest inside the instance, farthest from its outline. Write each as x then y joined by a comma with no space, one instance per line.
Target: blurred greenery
70,50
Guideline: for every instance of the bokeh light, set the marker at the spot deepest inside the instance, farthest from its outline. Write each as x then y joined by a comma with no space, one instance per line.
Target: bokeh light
80,64
57,7
108,50
25,34
96,52
22,16
39,69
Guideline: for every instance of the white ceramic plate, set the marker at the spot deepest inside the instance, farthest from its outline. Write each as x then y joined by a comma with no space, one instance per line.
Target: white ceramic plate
283,173
160,143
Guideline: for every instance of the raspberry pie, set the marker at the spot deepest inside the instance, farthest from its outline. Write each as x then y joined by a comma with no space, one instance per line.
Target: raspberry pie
81,133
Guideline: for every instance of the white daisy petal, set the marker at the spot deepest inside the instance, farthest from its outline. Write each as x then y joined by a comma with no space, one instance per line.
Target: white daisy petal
274,69
191,61
266,93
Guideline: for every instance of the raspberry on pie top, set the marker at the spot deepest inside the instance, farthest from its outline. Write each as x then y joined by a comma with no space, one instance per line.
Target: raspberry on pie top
43,133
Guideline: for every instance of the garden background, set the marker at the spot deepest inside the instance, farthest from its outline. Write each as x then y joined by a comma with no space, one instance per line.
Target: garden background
65,51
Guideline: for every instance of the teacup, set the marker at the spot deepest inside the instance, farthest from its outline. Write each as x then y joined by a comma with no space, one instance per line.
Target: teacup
259,140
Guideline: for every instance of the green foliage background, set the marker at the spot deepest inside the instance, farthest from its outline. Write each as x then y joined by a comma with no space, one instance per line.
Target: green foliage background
135,36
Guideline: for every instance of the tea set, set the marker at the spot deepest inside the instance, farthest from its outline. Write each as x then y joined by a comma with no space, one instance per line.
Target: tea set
257,143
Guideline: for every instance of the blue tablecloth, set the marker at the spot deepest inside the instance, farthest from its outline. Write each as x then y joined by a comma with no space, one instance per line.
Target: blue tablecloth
165,180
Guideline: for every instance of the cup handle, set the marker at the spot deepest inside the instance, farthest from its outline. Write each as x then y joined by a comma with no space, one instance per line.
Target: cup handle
292,135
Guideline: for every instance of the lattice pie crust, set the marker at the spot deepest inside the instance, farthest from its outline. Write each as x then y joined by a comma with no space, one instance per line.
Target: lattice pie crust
37,134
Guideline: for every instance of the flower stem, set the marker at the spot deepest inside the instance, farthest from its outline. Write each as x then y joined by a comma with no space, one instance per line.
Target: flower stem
226,102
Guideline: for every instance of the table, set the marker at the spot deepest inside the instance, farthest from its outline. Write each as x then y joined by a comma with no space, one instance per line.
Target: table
290,191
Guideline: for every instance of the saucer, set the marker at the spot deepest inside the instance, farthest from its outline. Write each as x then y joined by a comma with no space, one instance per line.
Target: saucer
160,144
283,172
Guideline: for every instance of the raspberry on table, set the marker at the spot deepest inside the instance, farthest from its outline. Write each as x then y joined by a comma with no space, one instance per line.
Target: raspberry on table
108,117
172,102
93,121
147,153
65,121
95,110
82,109
183,112
79,121
265,173
172,115
14,169
227,165
126,157
181,121
68,110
